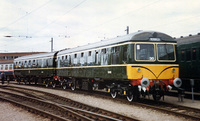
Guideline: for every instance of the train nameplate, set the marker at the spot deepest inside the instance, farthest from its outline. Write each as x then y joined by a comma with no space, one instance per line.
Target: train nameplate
154,39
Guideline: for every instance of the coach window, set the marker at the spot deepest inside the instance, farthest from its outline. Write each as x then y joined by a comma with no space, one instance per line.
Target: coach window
33,62
104,59
18,64
82,59
75,61
62,61
199,53
70,62
82,54
47,64
6,67
103,51
10,67
25,64
89,53
29,63
188,55
96,57
182,55
115,55
194,54
124,54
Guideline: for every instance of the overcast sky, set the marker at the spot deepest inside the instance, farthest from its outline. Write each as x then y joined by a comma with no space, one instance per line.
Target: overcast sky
71,23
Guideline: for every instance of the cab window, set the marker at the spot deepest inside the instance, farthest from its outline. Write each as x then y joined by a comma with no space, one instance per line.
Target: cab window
145,52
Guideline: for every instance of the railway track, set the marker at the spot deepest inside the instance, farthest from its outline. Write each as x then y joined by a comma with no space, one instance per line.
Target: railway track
173,109
57,107
177,110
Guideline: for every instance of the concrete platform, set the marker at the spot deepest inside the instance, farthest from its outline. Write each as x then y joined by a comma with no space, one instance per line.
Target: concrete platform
186,102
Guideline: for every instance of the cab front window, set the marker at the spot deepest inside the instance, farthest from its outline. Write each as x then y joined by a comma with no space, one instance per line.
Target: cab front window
145,52
166,52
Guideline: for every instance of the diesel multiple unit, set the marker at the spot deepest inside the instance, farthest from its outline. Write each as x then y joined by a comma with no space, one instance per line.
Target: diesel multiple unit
133,65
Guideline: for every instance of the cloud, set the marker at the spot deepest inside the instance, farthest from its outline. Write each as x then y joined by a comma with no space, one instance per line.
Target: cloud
91,21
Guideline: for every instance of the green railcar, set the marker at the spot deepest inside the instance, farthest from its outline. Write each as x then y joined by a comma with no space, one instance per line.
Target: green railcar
35,68
136,64
189,60
127,65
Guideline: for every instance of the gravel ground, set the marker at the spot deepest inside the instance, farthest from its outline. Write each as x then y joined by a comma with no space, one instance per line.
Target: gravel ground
9,112
115,106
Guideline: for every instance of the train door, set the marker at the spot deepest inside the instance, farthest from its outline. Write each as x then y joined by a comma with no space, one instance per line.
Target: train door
188,63
194,64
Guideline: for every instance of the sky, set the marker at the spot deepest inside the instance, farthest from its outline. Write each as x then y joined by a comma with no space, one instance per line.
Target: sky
29,26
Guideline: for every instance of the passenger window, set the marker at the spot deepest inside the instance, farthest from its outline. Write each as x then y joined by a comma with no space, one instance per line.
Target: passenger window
115,55
182,55
115,49
124,54
6,67
188,55
82,54
199,53
33,62
103,51
89,53
96,57
194,54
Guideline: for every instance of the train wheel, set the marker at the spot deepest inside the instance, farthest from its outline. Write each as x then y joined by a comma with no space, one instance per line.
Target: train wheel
156,97
130,97
113,94
64,86
25,81
46,85
54,85
73,85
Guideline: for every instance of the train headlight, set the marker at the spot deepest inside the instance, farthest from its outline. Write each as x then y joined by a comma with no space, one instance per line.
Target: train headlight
145,82
177,82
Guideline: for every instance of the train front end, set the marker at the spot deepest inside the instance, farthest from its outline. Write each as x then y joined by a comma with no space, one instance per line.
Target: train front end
155,70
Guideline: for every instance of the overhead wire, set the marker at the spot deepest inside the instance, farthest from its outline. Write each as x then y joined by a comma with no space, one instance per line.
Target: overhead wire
118,17
61,16
28,13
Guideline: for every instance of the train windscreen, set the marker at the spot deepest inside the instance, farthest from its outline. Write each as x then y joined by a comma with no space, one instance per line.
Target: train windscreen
145,52
165,52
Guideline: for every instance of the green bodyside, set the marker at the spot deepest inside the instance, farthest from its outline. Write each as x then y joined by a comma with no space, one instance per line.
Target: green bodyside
103,72
189,60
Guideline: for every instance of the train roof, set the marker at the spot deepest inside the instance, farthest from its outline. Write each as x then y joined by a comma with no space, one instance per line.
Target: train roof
6,62
141,36
35,56
189,39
